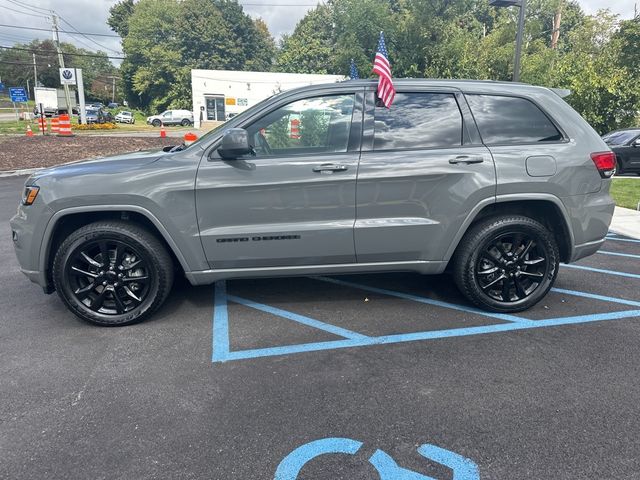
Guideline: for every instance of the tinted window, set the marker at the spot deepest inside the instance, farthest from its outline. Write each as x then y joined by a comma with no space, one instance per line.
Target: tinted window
312,125
511,120
620,138
418,120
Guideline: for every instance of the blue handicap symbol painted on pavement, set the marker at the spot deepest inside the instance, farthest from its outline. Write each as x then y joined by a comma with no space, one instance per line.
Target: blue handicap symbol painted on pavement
290,467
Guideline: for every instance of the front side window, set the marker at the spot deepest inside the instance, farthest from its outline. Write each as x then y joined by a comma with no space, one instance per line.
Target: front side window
312,125
511,120
418,120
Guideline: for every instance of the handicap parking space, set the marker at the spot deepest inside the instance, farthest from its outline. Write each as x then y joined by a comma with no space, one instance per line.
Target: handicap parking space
271,317
390,376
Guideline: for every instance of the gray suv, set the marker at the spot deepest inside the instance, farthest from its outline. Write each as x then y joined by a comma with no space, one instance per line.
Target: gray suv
496,182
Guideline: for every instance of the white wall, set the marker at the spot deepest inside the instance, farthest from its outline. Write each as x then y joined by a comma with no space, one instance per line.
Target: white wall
245,87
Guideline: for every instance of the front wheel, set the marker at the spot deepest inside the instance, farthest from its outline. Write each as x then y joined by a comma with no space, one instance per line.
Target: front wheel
112,273
156,123
507,263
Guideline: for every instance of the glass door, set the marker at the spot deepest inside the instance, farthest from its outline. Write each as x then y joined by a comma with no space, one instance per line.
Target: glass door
215,108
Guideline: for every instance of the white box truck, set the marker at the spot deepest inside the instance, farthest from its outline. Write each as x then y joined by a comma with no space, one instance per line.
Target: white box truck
53,101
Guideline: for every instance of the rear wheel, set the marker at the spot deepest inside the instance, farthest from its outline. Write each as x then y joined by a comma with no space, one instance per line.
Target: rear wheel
506,264
112,273
185,122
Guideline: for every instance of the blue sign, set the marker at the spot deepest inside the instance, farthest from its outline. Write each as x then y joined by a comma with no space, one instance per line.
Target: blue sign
18,94
387,468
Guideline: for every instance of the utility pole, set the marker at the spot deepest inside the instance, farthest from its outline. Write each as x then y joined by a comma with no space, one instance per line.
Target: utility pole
113,89
56,39
35,75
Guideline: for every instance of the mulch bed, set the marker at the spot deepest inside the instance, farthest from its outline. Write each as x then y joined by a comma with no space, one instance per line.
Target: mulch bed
19,152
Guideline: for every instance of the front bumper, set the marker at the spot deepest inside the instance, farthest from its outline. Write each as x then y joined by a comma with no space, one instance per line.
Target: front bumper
27,231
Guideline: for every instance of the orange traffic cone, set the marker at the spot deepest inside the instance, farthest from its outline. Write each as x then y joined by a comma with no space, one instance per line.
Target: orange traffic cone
163,133
29,132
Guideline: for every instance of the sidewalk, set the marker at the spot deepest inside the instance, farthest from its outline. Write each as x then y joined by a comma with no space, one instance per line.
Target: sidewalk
626,222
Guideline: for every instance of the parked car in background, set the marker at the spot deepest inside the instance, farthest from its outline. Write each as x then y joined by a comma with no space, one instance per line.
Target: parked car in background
125,117
626,145
172,117
97,115
112,105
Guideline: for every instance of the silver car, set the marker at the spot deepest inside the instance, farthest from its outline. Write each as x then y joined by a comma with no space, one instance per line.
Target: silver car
172,117
500,182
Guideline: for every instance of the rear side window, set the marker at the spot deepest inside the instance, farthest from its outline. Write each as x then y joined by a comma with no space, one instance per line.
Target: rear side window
418,120
510,120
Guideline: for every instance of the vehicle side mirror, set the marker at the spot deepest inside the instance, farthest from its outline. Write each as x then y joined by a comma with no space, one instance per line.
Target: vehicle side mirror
235,143
636,143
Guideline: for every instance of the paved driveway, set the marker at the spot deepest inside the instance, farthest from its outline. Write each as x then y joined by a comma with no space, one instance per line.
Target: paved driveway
263,379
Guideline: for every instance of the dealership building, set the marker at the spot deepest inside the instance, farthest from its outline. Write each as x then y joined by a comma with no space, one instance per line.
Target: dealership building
220,94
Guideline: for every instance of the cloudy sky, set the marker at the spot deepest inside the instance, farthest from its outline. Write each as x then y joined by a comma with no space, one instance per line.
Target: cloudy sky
90,16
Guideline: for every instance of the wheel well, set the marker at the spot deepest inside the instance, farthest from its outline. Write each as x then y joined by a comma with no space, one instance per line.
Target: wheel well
70,223
543,211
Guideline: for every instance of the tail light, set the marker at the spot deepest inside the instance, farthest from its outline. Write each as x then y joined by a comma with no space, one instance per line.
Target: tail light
605,162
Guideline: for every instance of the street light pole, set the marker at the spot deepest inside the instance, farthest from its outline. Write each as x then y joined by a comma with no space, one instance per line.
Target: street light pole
522,4
516,62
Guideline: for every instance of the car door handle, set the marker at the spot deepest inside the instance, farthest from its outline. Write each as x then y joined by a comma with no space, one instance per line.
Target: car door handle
330,167
466,159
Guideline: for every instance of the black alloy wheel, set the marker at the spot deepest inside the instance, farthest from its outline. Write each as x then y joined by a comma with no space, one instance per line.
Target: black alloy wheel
108,276
511,266
506,263
112,273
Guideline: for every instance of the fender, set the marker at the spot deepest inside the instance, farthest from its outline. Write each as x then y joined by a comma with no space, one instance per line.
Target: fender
512,198
46,239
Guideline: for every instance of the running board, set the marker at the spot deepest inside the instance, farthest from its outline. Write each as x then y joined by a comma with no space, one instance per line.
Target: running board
205,277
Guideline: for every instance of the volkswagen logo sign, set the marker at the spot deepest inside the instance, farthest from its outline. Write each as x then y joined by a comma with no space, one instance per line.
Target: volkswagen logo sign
67,74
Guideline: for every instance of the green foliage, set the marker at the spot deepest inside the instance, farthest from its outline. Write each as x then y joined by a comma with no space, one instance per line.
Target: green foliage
119,17
313,128
596,56
278,134
16,66
166,39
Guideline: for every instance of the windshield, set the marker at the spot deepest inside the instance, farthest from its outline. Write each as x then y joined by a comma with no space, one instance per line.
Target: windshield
620,138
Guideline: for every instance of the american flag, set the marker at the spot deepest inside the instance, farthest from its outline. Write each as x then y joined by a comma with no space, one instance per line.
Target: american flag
381,66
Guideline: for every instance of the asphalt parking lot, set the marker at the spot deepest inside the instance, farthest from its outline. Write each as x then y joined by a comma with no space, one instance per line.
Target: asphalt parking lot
388,376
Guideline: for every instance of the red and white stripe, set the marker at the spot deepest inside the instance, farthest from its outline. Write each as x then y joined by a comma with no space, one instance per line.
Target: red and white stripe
386,90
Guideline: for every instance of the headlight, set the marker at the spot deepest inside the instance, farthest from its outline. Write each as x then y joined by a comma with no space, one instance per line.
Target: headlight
29,195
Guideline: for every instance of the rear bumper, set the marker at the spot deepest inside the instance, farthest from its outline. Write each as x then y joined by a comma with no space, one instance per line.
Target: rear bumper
586,249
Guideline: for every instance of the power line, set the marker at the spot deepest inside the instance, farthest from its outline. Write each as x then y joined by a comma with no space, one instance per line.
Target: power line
24,13
90,39
32,50
61,31
29,6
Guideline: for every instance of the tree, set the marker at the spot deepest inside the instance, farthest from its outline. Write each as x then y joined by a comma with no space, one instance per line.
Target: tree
166,39
119,15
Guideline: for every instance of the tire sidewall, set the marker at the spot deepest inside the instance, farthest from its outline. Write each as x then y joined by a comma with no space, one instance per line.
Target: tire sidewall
542,237
65,291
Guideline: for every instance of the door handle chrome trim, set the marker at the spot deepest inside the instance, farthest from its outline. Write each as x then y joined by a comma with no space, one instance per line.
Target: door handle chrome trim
330,167
466,159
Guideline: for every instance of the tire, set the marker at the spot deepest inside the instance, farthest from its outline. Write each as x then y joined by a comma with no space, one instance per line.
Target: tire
156,123
507,263
127,288
619,168
185,122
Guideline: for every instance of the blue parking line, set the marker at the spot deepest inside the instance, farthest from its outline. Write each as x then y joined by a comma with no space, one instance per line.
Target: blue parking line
618,254
623,239
602,270
429,301
311,322
220,345
429,335
594,296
